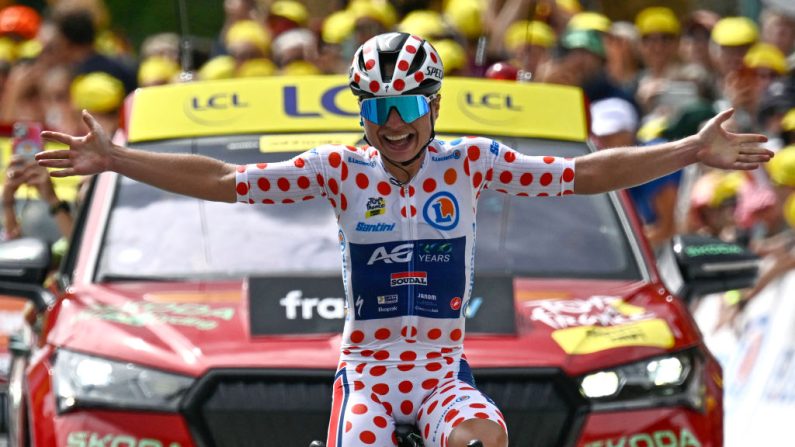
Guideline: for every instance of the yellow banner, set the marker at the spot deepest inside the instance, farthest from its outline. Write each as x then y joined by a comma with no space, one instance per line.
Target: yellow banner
590,339
325,104
295,142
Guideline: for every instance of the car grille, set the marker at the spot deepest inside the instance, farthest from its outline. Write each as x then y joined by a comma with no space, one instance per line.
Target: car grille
291,408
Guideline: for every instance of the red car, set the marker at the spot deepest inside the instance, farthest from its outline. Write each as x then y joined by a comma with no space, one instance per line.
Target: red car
175,322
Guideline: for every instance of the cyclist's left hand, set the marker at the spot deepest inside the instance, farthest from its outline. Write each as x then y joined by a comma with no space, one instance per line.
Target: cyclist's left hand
720,148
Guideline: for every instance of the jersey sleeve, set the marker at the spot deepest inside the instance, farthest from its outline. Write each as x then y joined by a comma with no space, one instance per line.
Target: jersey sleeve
506,170
297,179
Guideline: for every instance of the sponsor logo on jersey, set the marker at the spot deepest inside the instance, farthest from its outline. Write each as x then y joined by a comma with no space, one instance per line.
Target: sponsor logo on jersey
455,303
408,278
329,308
435,251
399,253
374,228
434,72
494,147
441,211
375,206
455,155
356,161
387,299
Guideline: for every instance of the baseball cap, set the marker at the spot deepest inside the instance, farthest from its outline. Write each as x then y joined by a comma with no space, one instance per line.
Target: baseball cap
613,115
97,92
291,10
451,53
157,70
382,12
253,68
248,31
524,32
219,67
337,27
589,21
765,55
466,16
583,39
422,22
734,32
788,121
657,19
782,167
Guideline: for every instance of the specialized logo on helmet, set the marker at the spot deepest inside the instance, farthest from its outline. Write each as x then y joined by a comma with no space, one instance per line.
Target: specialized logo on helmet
441,211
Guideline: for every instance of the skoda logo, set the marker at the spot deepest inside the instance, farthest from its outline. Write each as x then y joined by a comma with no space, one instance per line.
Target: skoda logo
441,211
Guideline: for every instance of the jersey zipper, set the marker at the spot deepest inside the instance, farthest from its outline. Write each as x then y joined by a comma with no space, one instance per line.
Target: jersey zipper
413,240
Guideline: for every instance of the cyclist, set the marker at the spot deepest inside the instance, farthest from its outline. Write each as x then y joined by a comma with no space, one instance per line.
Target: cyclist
406,207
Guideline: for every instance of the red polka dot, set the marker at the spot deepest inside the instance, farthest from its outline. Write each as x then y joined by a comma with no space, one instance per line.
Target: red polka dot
549,160
450,176
546,179
388,407
506,177
366,353
352,148
418,76
568,175
408,333
303,182
381,355
403,65
568,192
403,211
405,367
477,405
384,189
434,403
362,181
405,386
427,430
378,370
379,421
481,415
334,159
477,179
455,335
333,203
399,85
288,201
447,388
429,385
448,400
374,86
343,202
408,356
348,426
433,355
263,184
357,336
473,153
489,174
429,185
411,49
357,78
268,201
320,180
283,183
403,192
241,169
358,385
451,415
299,162
382,334
367,437
381,388
406,407
333,186
369,64
526,179
433,58
359,409
510,156
360,367
413,211
433,366
434,333
242,188
262,165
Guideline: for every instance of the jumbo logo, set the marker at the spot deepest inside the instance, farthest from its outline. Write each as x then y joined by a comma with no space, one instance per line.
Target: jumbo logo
217,109
328,103
441,211
489,108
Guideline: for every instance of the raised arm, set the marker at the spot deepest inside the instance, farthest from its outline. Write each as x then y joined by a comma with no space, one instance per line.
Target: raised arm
188,174
617,168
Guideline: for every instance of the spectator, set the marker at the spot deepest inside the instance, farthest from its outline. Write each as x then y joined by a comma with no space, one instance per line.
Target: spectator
778,28
695,41
157,70
286,15
298,44
659,32
336,34
733,37
453,55
623,56
528,44
102,95
370,18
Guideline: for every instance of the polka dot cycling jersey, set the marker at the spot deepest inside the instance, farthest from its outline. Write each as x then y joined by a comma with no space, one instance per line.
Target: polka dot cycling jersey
407,251
407,256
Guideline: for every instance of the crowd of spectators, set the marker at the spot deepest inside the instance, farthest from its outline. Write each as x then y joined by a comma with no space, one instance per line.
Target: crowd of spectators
658,77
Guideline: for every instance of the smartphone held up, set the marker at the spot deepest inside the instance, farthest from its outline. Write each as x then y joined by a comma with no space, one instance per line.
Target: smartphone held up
27,141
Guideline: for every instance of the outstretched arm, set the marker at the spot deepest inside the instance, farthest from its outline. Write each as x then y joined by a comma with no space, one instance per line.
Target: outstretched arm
188,174
617,168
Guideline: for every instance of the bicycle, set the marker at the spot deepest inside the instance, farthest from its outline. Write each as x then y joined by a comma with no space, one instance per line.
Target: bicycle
408,436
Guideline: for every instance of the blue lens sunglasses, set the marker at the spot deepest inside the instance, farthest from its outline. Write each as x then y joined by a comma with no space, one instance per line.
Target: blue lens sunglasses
410,108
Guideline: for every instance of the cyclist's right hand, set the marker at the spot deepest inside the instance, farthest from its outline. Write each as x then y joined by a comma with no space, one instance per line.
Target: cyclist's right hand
88,154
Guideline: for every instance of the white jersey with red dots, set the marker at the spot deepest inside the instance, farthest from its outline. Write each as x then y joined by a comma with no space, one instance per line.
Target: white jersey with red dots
408,253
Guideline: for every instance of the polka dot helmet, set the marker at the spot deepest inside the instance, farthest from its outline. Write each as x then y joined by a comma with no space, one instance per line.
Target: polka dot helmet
393,64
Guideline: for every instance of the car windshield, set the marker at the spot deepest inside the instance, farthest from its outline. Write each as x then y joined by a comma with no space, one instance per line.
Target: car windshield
155,234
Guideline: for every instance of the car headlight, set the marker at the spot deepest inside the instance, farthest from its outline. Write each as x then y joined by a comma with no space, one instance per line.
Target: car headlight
81,380
674,379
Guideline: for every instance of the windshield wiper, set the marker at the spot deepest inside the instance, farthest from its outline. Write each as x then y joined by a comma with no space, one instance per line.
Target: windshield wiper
116,277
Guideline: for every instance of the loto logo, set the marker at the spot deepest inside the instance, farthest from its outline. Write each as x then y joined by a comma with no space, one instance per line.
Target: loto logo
401,253
441,211
331,308
455,303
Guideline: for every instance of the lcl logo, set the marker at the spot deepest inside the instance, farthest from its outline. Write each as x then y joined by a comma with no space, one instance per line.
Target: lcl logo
489,108
216,109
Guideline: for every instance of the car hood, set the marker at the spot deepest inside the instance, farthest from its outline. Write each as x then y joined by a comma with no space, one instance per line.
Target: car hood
573,325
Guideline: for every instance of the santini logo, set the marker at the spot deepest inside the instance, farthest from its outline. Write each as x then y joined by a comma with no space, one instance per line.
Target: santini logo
374,228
